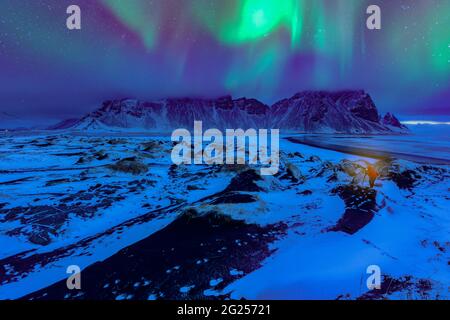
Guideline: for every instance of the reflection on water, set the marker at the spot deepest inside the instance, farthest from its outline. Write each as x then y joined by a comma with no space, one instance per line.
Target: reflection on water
424,140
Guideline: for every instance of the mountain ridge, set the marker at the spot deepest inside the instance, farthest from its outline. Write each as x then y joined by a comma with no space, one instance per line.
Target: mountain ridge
347,111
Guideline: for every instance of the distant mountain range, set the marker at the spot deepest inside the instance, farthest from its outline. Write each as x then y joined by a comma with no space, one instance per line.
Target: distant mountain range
10,121
309,111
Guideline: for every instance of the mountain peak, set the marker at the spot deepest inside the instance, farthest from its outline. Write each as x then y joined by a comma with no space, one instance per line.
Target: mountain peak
390,120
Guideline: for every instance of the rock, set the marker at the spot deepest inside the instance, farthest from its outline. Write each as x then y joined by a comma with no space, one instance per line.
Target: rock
294,172
56,182
355,169
151,146
192,187
100,155
129,165
313,159
333,177
390,120
234,197
40,236
360,207
80,160
305,193
408,285
245,181
386,166
405,179
117,141
295,155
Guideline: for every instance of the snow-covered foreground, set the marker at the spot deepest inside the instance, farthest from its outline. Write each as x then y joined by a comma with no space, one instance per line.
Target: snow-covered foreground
142,228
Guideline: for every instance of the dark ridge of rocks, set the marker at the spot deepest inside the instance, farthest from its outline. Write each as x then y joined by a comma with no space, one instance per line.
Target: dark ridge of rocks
152,146
69,154
406,179
333,177
116,141
360,208
23,263
16,181
433,170
410,286
41,236
245,181
38,223
56,182
159,266
191,187
305,193
100,155
44,145
233,198
81,160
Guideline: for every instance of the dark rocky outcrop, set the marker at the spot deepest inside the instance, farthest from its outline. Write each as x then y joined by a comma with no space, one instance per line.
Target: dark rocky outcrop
390,120
245,181
360,208
129,165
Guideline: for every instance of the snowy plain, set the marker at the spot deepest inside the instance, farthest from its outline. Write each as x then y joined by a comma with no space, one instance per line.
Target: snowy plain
82,199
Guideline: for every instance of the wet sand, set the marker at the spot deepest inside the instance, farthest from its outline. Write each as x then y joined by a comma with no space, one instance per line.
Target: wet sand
369,153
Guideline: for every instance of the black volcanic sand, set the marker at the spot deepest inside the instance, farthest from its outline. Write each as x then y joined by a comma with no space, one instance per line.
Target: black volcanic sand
360,208
192,250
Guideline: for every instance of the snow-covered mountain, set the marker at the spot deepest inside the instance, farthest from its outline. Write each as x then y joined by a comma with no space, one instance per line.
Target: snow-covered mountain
320,111
68,123
392,122
309,111
170,114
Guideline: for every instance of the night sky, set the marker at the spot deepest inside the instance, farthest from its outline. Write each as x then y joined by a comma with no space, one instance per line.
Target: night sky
266,49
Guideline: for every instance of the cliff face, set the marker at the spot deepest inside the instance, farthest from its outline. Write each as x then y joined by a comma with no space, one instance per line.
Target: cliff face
309,111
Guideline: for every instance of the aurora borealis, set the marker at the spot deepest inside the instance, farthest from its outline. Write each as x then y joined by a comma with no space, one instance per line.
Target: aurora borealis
267,49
